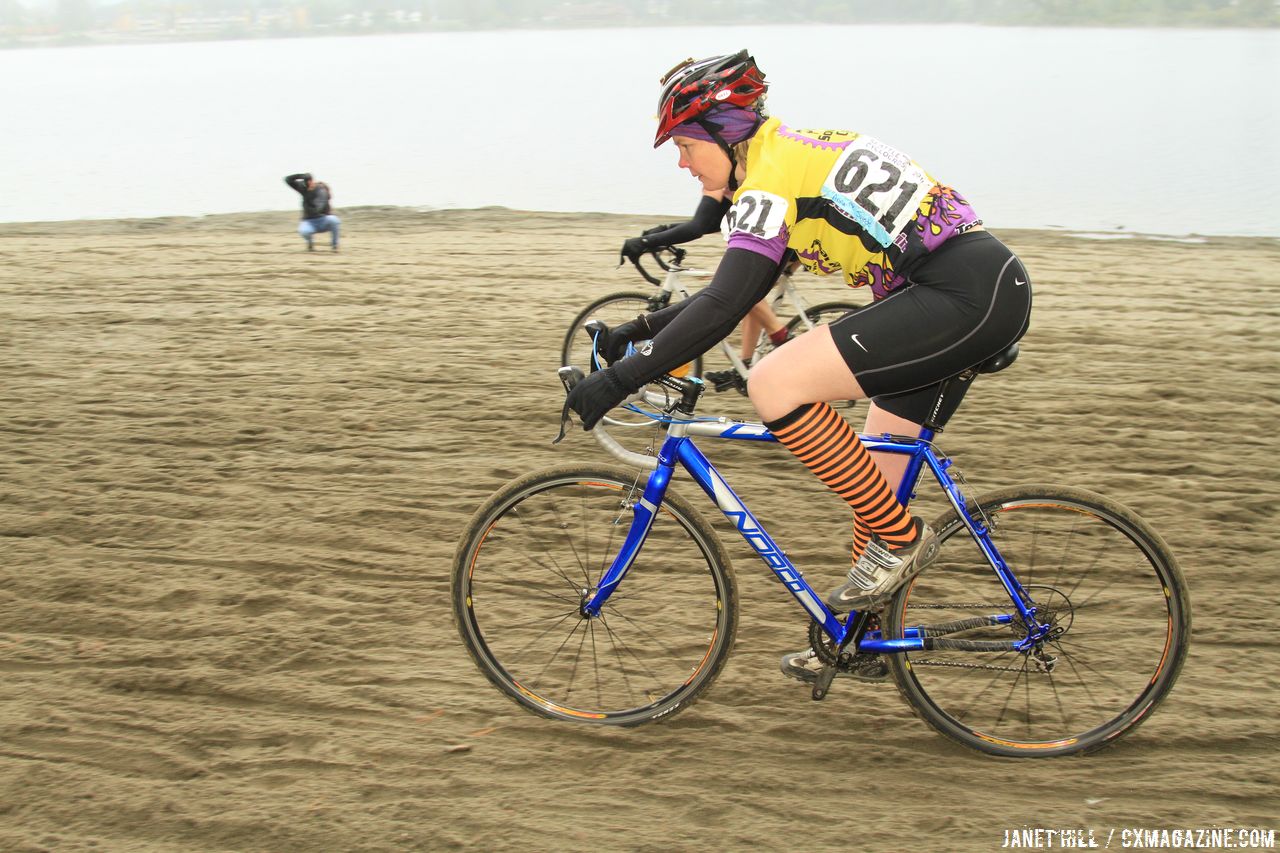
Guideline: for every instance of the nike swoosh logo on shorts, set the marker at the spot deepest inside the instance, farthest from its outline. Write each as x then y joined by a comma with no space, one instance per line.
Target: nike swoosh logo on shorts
1019,283
854,338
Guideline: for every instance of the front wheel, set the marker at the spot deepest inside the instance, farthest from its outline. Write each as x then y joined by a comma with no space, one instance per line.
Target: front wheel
533,554
1097,573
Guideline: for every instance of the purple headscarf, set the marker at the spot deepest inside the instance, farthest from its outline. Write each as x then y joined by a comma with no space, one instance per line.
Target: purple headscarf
733,123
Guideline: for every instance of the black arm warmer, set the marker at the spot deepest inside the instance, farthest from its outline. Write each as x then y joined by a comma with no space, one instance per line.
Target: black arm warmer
706,220
696,325
657,321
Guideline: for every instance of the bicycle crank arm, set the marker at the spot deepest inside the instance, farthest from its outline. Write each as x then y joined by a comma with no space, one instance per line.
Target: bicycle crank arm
823,684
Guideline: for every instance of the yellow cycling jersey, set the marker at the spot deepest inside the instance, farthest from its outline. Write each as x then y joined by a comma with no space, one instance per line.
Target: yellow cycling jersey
846,203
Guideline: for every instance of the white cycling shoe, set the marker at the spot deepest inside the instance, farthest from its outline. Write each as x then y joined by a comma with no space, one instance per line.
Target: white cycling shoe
880,572
805,666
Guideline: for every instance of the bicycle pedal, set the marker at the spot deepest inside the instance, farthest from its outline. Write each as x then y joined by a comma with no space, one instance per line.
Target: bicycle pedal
724,380
823,684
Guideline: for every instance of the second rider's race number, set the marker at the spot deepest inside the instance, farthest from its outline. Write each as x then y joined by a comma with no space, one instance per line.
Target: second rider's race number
757,213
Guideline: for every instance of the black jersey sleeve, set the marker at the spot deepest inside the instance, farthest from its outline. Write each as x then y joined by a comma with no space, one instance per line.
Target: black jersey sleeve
692,327
706,220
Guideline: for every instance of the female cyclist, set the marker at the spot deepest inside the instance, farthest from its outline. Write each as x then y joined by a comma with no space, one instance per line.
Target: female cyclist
947,296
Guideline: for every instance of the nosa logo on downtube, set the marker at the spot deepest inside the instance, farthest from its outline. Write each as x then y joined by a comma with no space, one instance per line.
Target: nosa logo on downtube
737,513
763,545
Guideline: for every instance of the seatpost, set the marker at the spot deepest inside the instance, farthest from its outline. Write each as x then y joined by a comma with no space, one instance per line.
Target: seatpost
931,424
929,429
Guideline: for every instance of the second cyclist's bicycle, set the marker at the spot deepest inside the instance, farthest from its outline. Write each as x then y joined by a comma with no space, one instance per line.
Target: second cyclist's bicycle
616,308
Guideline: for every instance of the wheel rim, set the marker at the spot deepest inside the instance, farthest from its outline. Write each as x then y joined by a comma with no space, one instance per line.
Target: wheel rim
1096,580
656,638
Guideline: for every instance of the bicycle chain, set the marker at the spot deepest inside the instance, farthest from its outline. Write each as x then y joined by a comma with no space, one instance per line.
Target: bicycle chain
958,665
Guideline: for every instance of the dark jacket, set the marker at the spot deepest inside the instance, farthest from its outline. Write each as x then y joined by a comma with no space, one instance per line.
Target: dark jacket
315,201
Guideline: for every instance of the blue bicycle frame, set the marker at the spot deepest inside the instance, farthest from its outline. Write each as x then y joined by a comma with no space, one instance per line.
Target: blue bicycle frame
678,448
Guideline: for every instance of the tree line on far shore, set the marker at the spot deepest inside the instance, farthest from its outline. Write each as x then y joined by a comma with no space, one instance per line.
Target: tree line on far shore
89,21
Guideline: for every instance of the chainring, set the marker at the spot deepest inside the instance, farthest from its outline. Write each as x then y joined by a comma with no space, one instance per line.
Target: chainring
826,649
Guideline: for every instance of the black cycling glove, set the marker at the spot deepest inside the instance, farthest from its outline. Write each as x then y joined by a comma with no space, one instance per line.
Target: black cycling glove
634,247
624,334
706,220
594,396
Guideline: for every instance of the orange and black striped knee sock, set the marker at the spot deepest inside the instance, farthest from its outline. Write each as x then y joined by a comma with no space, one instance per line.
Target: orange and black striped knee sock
830,448
861,536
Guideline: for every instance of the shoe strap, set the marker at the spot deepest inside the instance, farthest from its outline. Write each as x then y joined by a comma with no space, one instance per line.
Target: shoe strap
875,558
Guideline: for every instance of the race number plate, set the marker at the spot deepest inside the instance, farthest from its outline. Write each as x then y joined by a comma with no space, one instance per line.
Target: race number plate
757,213
876,186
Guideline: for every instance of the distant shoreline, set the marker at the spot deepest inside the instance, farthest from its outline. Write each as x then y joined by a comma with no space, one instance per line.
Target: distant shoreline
357,218
220,29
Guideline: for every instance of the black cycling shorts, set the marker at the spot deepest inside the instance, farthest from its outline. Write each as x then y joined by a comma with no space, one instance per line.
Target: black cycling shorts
968,301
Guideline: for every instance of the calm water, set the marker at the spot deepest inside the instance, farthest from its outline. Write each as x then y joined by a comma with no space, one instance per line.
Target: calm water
1157,131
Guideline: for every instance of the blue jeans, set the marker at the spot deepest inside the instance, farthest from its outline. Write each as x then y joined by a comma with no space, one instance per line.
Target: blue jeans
319,225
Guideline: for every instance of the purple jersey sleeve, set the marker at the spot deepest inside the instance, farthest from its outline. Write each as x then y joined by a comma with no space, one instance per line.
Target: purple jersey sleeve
772,249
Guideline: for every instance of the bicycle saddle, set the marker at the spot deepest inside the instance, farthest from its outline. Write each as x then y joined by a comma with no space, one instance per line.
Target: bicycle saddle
1000,360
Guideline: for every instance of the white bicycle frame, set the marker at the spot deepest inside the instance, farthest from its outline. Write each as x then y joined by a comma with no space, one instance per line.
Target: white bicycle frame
672,284
785,288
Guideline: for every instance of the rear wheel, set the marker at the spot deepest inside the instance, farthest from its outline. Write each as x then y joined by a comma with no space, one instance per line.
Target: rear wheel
827,312
1096,572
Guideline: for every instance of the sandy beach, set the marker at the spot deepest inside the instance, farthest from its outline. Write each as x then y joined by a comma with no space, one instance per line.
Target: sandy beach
234,474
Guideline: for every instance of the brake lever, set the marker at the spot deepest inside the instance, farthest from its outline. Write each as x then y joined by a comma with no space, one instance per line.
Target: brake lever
677,256
569,377
645,273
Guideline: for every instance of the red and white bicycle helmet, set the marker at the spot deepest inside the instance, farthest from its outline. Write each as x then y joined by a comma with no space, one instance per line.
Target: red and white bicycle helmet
695,86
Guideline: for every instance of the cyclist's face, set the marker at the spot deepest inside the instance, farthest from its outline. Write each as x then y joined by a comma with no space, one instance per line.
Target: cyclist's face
704,160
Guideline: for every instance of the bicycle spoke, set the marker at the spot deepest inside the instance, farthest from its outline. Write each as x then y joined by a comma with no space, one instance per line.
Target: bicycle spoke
609,552
981,692
1084,685
1091,581
642,665
1004,708
540,619
555,655
573,670
533,533
519,604
1097,560
647,635
1072,660
572,545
